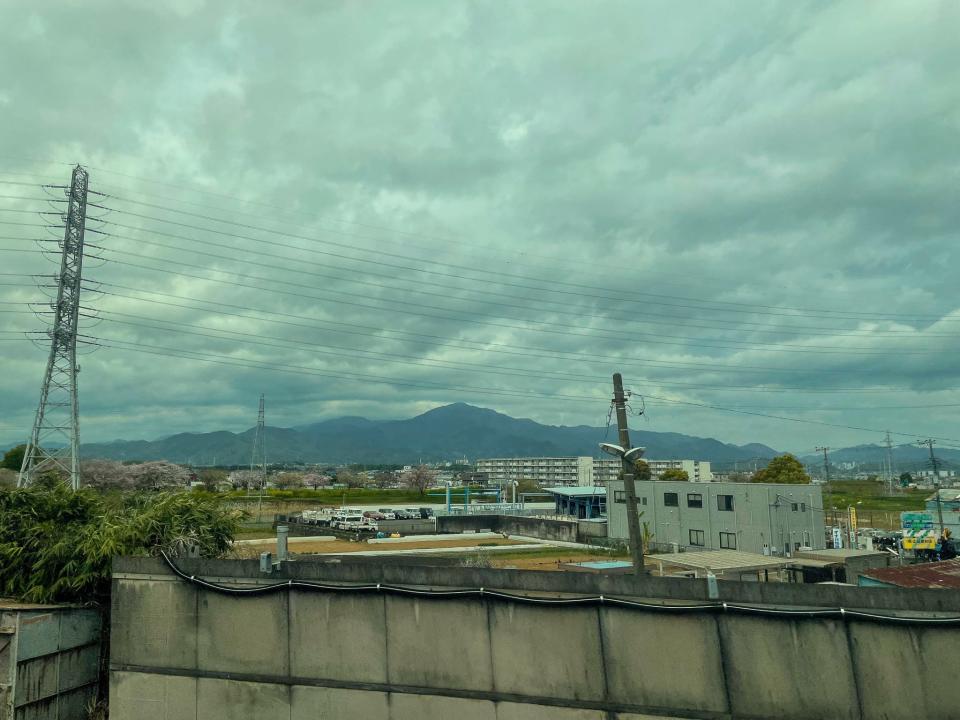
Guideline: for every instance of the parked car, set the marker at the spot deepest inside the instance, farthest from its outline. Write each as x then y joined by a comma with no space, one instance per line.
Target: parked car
373,515
350,522
388,514
426,513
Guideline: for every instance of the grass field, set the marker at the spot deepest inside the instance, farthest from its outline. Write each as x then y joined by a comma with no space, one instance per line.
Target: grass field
867,495
875,508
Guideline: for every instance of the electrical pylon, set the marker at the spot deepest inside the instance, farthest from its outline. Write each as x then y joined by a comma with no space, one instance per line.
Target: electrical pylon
258,458
891,470
58,413
826,462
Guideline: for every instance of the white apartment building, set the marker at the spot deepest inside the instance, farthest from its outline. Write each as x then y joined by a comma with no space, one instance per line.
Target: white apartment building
605,470
545,470
583,471
697,470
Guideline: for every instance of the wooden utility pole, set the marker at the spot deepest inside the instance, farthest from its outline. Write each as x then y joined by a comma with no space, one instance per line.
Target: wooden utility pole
634,539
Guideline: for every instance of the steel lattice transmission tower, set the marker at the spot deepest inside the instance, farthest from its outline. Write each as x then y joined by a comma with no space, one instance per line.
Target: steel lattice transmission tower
258,458
57,418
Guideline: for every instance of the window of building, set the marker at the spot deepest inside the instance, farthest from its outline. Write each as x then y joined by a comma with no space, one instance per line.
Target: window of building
796,546
619,496
643,501
724,502
694,500
671,499
728,540
697,538
795,507
803,507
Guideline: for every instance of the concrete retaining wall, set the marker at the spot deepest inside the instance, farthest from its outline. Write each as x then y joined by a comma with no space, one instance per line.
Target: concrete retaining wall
562,530
176,652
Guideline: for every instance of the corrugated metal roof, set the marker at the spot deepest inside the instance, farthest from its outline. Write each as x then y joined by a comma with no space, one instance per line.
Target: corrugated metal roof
578,491
719,560
838,554
945,574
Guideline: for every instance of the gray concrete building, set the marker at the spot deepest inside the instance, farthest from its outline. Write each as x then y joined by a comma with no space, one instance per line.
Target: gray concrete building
753,517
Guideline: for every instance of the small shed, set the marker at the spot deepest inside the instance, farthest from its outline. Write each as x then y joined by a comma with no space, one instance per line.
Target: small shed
841,564
582,502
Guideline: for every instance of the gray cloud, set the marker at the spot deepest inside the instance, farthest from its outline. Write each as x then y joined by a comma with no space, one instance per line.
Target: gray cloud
553,191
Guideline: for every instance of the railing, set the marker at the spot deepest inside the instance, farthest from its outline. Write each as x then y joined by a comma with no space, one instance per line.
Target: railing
667,548
482,509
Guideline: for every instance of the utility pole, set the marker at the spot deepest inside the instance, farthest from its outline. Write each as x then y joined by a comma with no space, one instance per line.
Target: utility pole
890,466
259,456
58,413
826,463
934,463
629,488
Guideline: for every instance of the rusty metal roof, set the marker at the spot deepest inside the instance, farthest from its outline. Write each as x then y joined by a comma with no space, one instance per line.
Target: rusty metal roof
945,574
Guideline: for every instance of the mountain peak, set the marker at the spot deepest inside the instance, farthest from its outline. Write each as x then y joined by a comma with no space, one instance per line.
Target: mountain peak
459,409
447,432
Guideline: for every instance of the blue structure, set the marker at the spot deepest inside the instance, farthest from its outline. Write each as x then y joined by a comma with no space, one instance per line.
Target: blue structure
465,492
581,502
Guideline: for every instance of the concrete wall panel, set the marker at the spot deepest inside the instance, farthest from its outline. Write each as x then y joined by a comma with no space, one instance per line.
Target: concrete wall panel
152,697
551,652
439,643
432,707
526,711
338,637
650,660
154,625
243,634
232,700
790,669
905,672
774,666
312,703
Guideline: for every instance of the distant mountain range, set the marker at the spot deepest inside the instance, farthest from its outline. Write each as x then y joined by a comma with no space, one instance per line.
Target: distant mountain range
445,433
905,457
453,432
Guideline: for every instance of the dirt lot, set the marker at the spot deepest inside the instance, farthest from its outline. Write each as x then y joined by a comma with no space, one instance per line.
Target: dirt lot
346,546
541,560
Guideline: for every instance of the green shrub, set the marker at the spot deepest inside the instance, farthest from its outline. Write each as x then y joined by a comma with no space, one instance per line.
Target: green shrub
56,545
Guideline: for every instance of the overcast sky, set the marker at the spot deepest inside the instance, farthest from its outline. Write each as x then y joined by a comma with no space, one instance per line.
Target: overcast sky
375,208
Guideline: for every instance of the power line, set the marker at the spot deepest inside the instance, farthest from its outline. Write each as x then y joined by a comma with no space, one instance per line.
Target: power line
377,332
451,364
560,308
205,357
550,285
810,349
